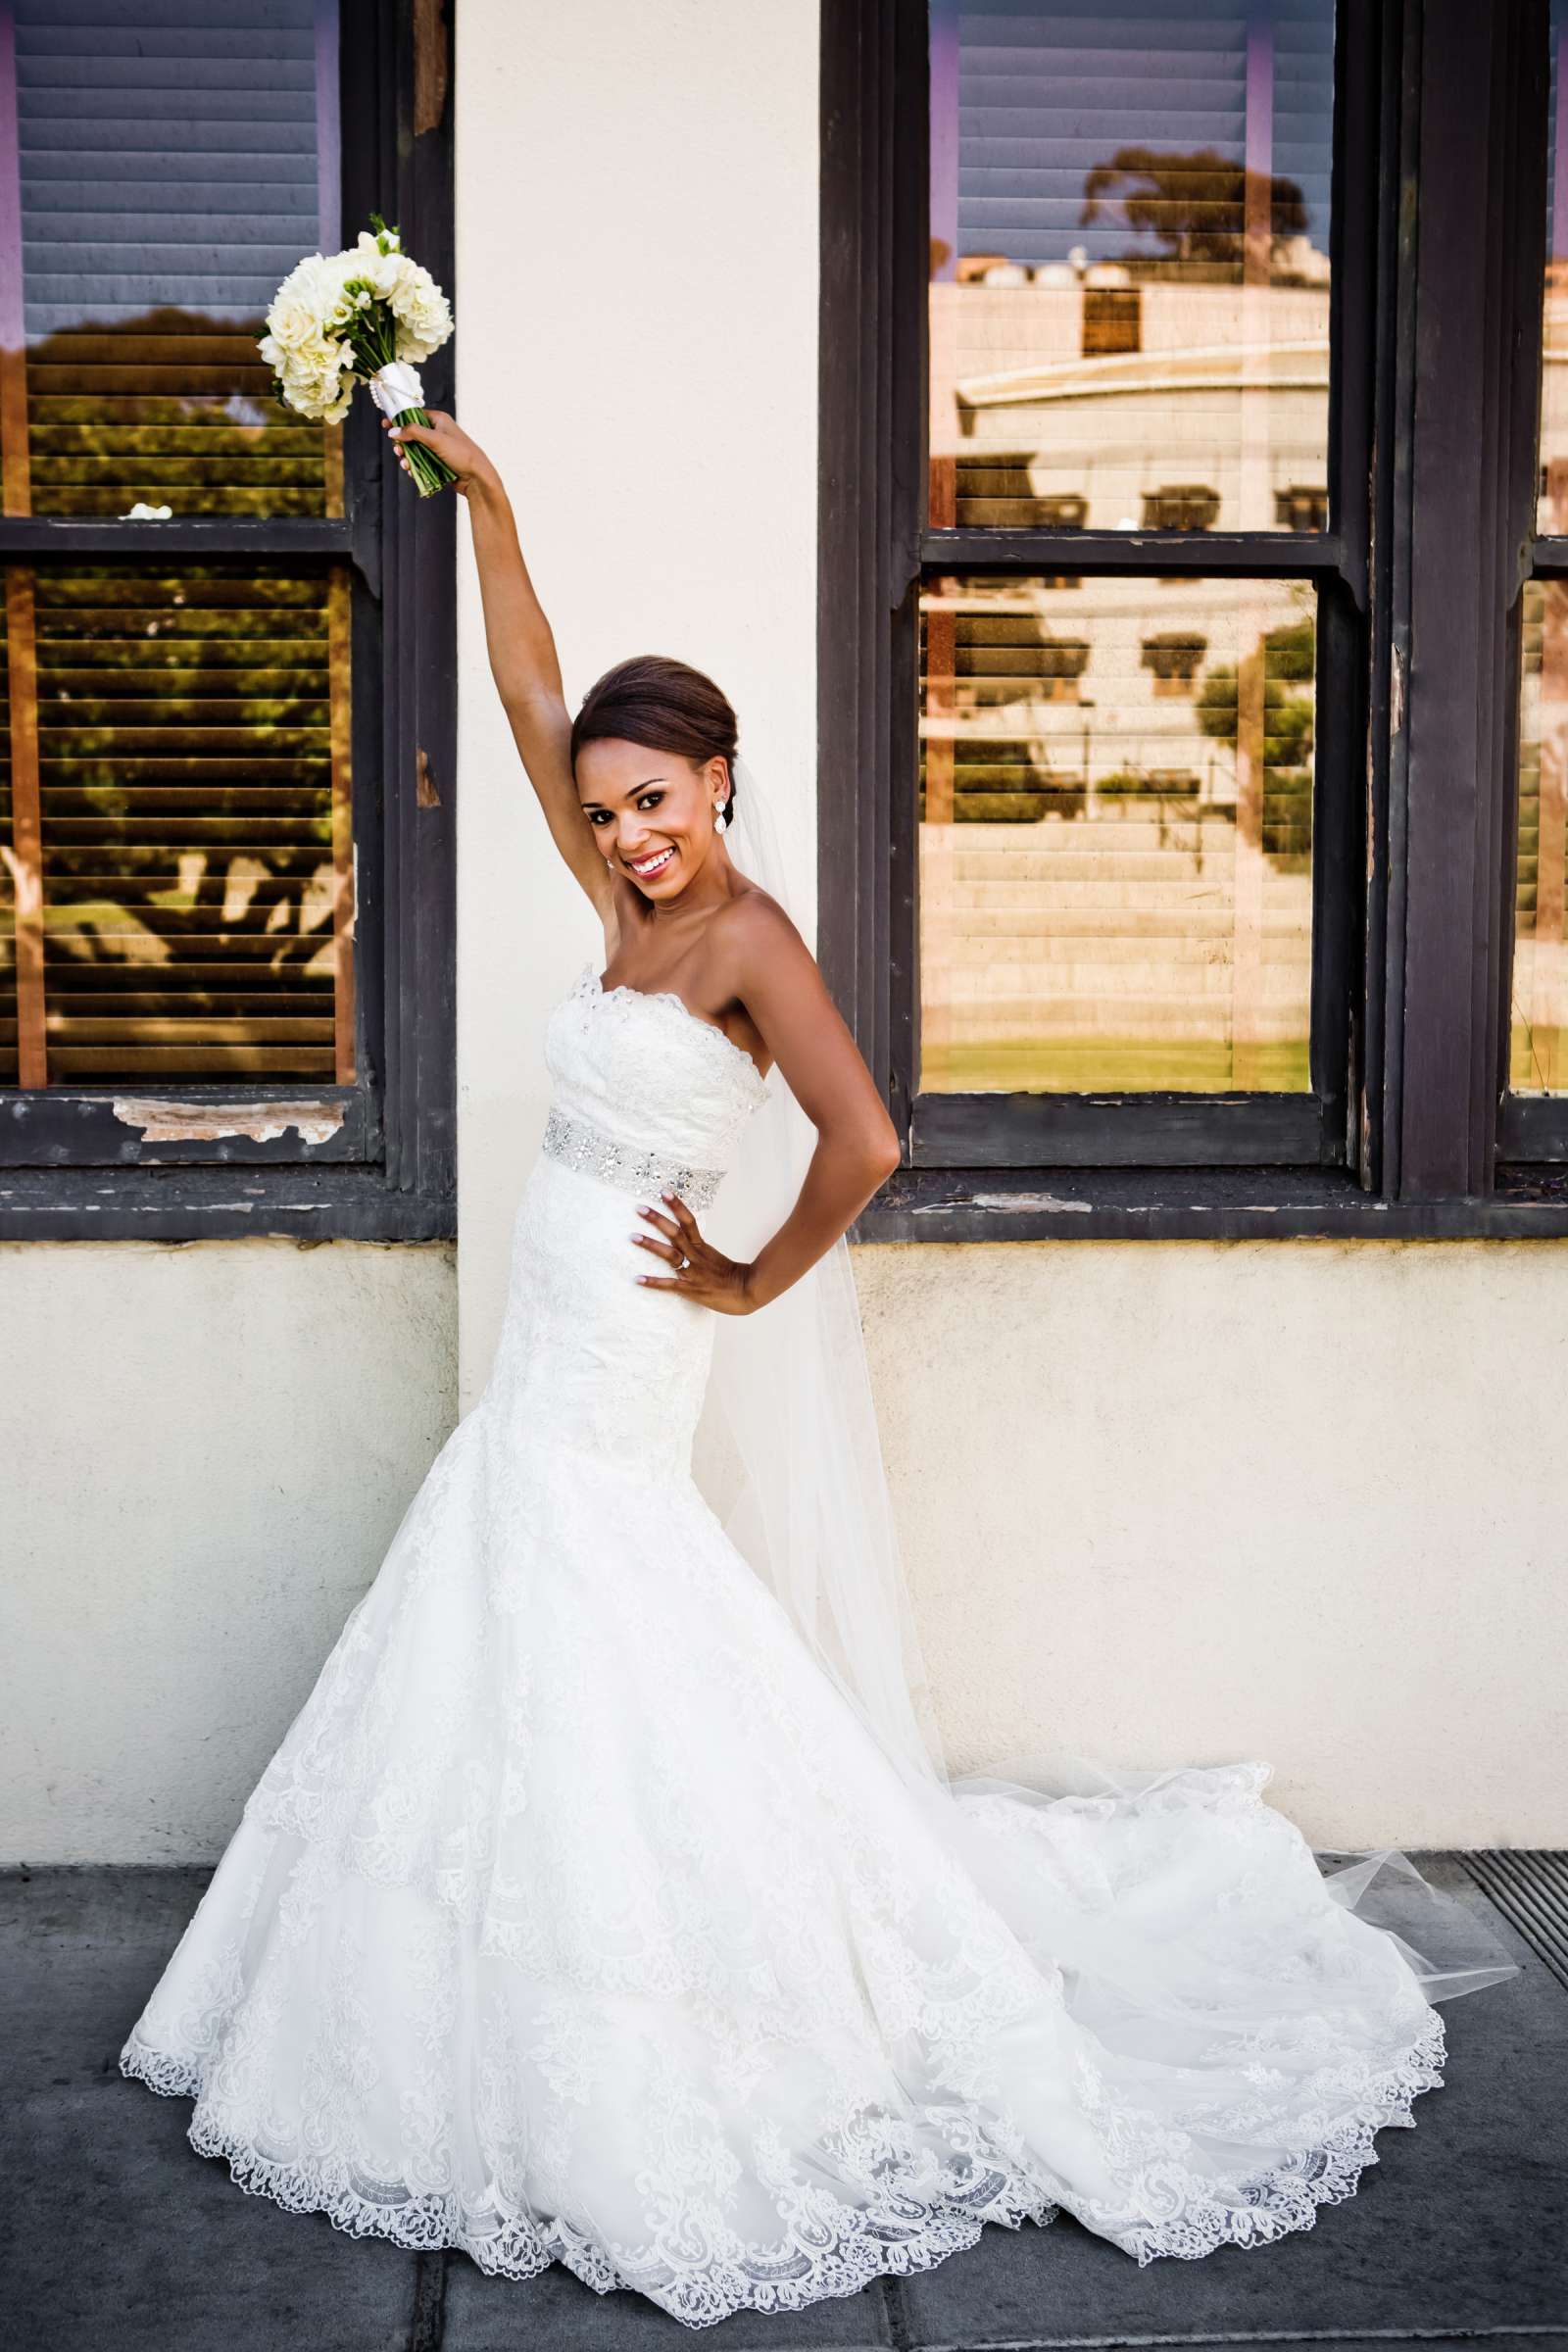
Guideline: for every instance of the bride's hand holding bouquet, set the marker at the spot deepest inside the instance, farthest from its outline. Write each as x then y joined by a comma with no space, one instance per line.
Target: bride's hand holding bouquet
465,462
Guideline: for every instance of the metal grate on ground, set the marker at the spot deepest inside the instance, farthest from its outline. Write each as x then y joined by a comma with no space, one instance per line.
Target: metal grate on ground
1530,1887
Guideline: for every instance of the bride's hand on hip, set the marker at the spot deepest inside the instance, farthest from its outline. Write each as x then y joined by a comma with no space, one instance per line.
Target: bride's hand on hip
699,1271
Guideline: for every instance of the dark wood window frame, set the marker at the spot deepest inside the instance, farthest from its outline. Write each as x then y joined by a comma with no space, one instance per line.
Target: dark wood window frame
1437,264
75,1163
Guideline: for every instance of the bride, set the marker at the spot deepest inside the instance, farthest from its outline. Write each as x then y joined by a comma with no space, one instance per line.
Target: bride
606,1904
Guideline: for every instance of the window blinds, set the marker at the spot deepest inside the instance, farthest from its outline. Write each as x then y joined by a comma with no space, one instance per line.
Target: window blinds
1047,95
191,890
175,827
174,160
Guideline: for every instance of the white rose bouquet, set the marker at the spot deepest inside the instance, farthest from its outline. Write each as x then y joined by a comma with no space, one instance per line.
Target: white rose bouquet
367,314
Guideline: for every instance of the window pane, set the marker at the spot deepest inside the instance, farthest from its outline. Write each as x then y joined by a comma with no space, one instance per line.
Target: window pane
7,880
1553,508
194,789
1538,1060
175,159
1129,313
1116,834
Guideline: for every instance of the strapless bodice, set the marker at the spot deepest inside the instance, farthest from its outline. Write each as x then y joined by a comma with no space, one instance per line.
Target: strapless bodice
646,1099
643,1071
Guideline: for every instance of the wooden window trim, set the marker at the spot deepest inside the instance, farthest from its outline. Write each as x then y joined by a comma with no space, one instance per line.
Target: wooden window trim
374,1159
1409,995
1481,207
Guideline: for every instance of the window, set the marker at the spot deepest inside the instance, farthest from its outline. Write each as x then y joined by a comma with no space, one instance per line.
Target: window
1115,835
1114,879
1111,949
224,804
1174,657
1298,509
1538,1063
194,823
1534,1111
1179,704
1193,506
1112,319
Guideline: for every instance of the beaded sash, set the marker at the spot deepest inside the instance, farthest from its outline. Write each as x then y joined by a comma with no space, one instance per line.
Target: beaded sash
578,1144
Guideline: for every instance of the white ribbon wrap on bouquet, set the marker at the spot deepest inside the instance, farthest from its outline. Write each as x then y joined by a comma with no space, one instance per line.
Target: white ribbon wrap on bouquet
396,388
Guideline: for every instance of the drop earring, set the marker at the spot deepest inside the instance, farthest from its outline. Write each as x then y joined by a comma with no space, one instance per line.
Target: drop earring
720,820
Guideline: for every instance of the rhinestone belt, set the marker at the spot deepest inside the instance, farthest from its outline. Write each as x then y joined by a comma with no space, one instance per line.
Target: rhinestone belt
580,1145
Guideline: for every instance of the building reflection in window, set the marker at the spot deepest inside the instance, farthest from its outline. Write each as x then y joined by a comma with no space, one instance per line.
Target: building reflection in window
1130,250
1116,835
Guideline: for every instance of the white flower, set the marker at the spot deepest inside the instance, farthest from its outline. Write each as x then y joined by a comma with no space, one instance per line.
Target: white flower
348,296
382,272
306,290
291,323
423,314
319,386
302,350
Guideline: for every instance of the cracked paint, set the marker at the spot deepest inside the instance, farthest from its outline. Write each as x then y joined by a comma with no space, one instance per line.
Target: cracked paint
162,1122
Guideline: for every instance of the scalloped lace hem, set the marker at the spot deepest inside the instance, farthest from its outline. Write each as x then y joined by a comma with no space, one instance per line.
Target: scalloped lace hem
1287,2198
876,2246
1278,2203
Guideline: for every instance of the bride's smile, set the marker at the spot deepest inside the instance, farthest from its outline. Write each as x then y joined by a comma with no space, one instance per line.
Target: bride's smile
645,868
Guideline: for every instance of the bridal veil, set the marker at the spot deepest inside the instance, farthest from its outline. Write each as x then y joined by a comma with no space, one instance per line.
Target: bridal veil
789,1456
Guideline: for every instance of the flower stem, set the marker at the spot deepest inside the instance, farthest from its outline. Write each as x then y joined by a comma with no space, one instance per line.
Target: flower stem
371,334
431,472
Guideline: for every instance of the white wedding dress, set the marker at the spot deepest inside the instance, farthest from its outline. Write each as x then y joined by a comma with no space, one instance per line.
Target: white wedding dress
579,1918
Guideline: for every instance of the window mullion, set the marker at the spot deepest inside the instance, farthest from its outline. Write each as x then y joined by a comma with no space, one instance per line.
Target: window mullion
1230,555
23,538
1476,96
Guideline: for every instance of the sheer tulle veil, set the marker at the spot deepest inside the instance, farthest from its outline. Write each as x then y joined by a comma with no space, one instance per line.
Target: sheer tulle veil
788,1448
789,1455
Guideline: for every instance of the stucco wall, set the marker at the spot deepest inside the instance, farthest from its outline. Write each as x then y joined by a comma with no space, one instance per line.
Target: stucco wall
208,1451
1175,1502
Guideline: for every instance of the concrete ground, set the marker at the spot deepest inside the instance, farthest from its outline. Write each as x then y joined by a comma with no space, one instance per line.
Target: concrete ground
115,2237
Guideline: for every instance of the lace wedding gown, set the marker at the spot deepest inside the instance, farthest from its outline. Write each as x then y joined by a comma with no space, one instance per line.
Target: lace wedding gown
580,1919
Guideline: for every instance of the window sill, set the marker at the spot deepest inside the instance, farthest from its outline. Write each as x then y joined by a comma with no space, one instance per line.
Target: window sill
220,1204
1216,1204
145,1123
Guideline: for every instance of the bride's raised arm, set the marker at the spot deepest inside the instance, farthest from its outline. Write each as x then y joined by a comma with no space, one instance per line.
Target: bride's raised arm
523,650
